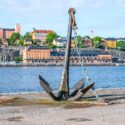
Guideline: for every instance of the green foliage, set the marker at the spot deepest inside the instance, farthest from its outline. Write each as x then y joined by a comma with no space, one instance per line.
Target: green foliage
120,44
50,37
52,47
18,59
21,41
14,37
28,37
0,42
87,37
97,41
79,41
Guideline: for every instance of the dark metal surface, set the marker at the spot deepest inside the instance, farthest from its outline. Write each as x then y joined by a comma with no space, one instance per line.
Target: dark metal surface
79,85
81,92
63,92
64,84
47,88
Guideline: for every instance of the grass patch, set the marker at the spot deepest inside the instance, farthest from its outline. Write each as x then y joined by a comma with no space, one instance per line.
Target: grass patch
46,102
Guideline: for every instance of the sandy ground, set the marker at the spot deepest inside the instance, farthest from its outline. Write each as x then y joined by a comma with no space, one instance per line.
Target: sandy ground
111,113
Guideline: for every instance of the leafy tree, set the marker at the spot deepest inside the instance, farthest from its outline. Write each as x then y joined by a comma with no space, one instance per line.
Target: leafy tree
21,41
0,42
50,37
87,37
52,47
28,36
14,37
79,41
120,44
18,59
96,41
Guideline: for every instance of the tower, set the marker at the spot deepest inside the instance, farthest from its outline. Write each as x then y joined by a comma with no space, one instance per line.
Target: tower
18,28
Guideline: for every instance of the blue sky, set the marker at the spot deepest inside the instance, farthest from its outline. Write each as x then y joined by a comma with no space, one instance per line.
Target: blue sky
105,17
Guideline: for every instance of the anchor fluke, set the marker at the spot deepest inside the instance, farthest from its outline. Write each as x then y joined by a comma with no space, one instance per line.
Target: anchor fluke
44,84
79,85
81,92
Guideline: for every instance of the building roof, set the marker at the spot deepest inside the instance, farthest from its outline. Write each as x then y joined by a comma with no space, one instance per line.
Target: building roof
61,40
10,29
113,39
37,47
82,53
42,31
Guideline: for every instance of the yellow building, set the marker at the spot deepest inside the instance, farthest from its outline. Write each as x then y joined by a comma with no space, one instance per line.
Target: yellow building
35,54
110,43
40,34
73,43
27,42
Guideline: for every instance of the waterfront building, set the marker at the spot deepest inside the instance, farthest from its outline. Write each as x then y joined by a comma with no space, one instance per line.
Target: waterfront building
110,43
117,54
88,57
40,35
35,54
40,55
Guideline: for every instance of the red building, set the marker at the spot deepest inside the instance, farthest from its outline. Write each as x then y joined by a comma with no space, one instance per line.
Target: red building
5,33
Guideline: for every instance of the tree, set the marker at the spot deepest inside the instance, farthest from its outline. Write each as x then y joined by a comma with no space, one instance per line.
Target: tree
120,44
53,47
21,41
28,37
18,59
87,37
50,37
97,41
0,41
79,41
14,37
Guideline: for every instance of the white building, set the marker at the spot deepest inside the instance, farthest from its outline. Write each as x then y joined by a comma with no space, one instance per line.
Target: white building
60,42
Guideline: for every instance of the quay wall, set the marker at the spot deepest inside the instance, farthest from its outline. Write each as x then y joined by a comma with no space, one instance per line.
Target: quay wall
32,65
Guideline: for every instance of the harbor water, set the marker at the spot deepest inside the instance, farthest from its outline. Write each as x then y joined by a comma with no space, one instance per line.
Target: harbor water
25,79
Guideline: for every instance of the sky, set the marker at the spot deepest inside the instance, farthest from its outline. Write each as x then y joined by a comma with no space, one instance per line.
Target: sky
106,18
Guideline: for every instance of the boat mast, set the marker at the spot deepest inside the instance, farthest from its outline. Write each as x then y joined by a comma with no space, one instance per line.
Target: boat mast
64,84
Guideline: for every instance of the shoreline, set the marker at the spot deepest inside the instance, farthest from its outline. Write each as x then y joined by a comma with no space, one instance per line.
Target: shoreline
56,65
43,92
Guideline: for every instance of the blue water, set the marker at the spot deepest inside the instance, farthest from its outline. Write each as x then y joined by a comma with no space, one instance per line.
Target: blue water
25,79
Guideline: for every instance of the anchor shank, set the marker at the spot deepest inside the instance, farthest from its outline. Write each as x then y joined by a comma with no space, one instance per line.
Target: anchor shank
64,84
